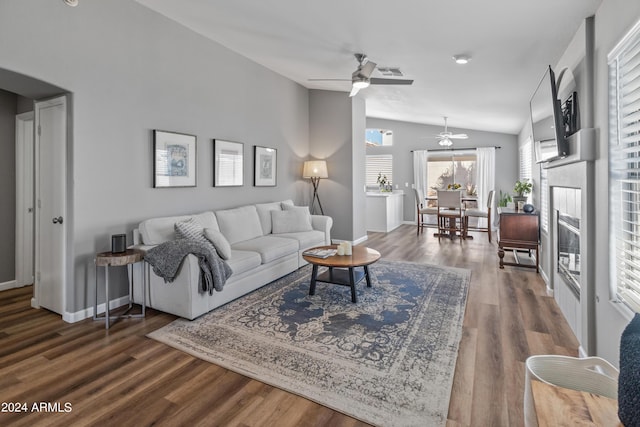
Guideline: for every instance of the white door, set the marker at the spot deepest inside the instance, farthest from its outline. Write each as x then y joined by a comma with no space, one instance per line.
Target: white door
24,199
51,160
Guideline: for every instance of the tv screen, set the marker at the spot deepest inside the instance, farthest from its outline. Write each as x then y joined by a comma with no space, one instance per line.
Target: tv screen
546,120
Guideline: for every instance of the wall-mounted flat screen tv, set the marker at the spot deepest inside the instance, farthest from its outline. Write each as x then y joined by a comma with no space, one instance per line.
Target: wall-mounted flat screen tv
547,121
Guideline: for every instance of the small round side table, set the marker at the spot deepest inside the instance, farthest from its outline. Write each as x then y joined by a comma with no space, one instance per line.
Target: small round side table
110,259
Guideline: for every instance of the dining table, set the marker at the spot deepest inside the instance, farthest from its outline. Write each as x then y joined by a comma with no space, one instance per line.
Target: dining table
465,199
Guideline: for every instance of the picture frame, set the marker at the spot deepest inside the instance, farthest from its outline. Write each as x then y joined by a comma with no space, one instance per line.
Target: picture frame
174,159
228,163
265,166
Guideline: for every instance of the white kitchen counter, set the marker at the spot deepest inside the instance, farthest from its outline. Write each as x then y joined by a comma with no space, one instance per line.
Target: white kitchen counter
385,210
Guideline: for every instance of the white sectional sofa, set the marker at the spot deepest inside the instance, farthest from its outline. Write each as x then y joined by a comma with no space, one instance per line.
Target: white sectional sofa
266,240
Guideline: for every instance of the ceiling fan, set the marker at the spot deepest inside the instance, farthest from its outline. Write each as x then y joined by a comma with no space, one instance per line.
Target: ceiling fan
444,138
361,77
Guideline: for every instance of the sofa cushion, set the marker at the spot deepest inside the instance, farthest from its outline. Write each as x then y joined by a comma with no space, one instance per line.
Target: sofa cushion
290,221
264,213
242,261
190,229
305,209
239,224
306,239
269,247
219,242
159,230
288,202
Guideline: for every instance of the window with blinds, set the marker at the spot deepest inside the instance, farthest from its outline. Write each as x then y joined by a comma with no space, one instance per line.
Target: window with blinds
624,167
526,160
544,200
376,164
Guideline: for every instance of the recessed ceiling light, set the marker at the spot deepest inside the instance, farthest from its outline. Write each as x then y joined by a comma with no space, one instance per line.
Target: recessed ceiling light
461,59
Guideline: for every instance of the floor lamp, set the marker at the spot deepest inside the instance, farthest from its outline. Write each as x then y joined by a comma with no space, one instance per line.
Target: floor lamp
315,170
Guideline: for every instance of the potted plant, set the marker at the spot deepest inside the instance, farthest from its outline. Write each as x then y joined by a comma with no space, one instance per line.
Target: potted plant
383,182
522,189
504,199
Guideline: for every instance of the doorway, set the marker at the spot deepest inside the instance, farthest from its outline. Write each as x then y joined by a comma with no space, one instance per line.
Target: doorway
50,141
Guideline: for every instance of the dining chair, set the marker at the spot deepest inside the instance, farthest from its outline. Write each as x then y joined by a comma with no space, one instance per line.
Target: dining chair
423,209
480,213
450,214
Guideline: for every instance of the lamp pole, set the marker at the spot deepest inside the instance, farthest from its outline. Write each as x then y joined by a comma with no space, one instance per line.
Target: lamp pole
315,180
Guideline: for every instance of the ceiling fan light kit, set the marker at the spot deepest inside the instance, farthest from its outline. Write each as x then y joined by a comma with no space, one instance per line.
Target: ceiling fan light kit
445,138
361,83
461,59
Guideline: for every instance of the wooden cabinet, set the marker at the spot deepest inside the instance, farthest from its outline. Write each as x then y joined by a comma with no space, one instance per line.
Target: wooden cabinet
518,230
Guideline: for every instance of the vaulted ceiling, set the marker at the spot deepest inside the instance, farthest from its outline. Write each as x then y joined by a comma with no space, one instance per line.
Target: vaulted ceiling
510,44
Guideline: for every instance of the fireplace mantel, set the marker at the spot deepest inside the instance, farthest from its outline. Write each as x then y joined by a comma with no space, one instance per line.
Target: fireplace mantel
582,148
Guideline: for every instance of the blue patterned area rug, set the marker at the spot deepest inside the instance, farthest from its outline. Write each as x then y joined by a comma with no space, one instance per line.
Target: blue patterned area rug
387,360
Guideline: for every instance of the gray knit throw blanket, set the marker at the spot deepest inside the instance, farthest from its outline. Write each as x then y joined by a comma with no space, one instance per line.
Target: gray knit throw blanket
167,257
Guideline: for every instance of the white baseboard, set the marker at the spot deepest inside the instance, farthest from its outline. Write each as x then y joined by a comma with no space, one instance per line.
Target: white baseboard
77,316
353,242
8,285
360,240
545,278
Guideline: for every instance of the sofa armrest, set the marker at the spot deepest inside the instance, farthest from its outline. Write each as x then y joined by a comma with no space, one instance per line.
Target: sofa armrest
143,248
323,223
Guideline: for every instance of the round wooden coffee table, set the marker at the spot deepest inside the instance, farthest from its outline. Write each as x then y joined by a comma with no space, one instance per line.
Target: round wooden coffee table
342,268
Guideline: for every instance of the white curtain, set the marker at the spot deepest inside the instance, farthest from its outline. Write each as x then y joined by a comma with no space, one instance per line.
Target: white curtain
485,179
420,171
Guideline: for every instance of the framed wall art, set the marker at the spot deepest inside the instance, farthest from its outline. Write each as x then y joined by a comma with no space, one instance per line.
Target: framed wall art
174,159
265,166
228,163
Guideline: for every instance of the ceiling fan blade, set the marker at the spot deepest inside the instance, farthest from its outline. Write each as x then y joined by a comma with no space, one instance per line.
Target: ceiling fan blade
328,80
459,136
381,81
354,91
366,70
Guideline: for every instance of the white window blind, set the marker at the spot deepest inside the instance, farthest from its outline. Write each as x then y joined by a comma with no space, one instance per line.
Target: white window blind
544,200
526,160
378,163
624,167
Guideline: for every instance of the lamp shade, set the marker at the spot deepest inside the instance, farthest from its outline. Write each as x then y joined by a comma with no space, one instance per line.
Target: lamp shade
315,169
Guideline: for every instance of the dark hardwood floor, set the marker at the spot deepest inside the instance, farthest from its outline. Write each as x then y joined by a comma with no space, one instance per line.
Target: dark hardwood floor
122,378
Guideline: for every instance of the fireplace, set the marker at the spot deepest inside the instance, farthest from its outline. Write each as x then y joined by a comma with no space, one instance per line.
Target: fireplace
571,240
568,229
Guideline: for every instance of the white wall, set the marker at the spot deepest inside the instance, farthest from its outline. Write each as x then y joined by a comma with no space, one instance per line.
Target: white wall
335,123
413,136
358,164
613,20
8,103
131,70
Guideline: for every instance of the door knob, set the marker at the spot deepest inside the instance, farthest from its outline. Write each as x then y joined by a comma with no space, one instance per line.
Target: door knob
57,220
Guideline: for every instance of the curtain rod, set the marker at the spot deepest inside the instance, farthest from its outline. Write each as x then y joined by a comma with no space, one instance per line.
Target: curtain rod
497,147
